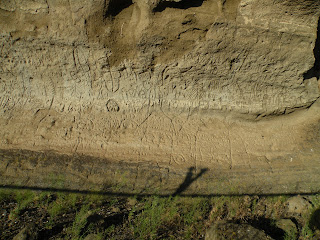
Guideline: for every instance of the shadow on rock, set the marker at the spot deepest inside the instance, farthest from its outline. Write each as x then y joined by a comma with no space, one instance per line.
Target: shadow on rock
269,227
189,179
315,220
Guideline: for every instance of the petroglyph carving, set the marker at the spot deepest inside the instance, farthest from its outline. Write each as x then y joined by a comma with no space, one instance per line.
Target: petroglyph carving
112,106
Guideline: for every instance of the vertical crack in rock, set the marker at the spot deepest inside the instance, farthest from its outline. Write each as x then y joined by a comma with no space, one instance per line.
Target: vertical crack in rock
116,6
315,70
183,4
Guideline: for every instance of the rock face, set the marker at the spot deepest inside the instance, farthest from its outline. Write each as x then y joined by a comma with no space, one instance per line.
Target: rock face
298,205
232,231
178,84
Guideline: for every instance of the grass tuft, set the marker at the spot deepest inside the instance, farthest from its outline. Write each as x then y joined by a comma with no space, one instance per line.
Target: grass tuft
23,199
80,222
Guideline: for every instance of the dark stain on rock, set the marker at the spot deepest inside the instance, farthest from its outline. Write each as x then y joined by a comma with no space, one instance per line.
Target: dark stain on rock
184,4
116,6
315,70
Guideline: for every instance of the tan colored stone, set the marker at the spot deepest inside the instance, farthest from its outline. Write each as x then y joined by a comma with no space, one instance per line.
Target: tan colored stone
232,231
298,205
208,85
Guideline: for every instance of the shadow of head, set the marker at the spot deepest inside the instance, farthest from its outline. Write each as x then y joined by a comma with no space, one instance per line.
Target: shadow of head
191,177
193,170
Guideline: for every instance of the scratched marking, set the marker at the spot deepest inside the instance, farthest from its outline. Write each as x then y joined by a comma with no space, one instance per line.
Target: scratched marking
112,106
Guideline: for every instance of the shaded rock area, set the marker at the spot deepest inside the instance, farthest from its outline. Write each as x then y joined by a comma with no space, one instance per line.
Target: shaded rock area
80,173
287,225
161,89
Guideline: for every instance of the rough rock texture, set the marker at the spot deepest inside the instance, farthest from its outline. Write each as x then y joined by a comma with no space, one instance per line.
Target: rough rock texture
298,205
288,226
232,231
222,85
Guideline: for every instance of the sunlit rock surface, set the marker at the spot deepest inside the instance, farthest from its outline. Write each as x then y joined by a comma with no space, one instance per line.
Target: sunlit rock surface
229,86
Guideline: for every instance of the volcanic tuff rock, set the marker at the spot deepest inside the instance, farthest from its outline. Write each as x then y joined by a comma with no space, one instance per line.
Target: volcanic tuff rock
217,84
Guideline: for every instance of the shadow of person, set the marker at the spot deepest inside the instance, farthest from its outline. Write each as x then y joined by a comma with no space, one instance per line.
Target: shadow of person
189,179
315,70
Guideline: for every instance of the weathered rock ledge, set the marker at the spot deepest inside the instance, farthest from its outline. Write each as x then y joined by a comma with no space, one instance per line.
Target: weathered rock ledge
155,88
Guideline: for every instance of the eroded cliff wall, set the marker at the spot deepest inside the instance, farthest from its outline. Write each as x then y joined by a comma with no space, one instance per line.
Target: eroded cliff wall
215,84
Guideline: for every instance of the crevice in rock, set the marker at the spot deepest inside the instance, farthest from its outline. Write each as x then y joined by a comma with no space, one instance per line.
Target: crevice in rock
116,6
184,4
315,70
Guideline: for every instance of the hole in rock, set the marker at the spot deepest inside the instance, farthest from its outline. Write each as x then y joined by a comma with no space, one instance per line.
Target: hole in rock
184,4
116,6
315,70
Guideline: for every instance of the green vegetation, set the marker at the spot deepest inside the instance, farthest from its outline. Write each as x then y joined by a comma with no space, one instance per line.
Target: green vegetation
75,216
312,219
23,199
5,194
146,224
80,221
61,204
